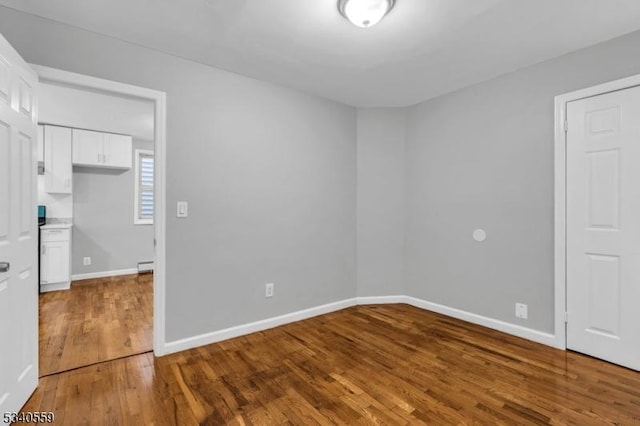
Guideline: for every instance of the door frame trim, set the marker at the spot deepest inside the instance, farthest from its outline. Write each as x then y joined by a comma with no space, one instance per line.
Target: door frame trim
560,196
53,75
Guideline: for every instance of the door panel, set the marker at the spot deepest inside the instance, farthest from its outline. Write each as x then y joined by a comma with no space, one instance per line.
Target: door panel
26,97
5,175
27,175
5,378
604,295
604,182
603,226
18,232
5,87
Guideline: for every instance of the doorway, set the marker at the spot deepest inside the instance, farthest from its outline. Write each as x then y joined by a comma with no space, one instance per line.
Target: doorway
597,226
157,279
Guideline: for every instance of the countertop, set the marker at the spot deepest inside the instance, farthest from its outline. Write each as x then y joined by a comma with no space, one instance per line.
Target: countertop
55,223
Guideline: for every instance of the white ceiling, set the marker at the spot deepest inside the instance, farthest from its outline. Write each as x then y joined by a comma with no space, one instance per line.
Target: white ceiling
422,49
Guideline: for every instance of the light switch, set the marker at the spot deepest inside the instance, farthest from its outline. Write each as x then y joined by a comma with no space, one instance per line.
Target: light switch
183,209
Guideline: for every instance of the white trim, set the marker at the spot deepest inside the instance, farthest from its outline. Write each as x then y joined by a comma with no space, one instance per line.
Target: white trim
136,188
104,274
559,226
560,212
144,267
252,327
160,101
505,327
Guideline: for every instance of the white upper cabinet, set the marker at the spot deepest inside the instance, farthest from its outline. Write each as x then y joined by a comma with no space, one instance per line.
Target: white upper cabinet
117,150
97,149
57,160
87,147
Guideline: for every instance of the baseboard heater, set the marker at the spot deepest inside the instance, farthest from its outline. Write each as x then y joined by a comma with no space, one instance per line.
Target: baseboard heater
145,267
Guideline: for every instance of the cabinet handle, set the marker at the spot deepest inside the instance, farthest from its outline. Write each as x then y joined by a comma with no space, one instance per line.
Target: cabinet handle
99,158
5,266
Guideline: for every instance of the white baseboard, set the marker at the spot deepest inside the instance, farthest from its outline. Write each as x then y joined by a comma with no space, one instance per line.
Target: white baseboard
45,288
252,327
104,274
241,330
513,329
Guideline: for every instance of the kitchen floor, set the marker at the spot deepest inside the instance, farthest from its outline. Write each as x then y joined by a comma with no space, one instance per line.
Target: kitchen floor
96,320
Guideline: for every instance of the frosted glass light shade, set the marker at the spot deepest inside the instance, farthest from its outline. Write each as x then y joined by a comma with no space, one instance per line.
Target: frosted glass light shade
365,13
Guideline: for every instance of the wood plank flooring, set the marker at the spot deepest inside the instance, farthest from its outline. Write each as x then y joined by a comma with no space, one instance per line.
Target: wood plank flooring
389,364
95,321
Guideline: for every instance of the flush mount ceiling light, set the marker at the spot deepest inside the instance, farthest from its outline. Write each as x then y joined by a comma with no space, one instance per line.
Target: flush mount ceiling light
365,13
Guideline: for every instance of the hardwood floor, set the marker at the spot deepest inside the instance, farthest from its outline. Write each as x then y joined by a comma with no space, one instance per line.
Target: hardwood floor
97,320
389,364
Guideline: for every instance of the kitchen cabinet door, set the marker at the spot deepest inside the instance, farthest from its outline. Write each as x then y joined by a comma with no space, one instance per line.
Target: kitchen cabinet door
117,151
88,148
57,160
54,262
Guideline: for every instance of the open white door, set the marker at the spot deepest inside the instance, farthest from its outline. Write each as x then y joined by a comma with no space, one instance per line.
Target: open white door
603,226
18,231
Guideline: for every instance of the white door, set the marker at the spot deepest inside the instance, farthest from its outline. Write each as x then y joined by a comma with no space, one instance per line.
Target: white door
603,226
18,231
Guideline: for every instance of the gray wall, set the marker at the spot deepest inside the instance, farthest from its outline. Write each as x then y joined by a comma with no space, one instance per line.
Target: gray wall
270,174
103,202
381,165
483,157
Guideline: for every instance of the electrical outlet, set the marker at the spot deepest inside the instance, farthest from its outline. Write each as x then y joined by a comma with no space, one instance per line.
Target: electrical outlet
86,261
268,290
522,311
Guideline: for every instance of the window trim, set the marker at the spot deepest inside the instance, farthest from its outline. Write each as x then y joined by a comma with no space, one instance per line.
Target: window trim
136,199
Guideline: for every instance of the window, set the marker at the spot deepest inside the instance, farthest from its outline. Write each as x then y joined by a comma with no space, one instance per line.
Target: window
143,210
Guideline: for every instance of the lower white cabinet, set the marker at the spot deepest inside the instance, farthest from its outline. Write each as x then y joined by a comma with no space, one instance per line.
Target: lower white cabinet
55,259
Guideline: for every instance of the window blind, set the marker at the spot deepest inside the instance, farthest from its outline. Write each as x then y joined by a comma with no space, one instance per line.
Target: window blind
145,186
